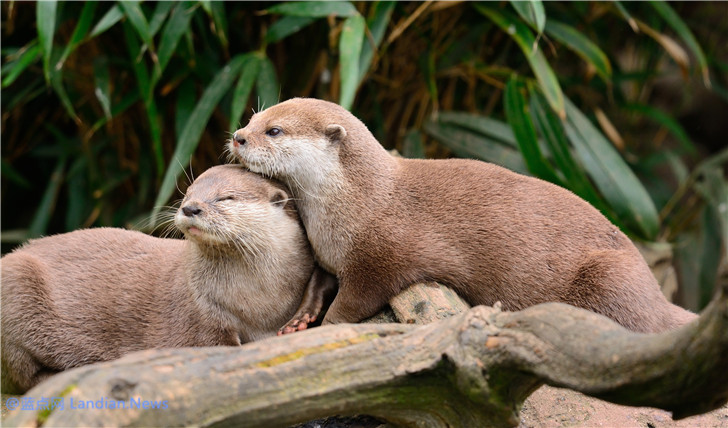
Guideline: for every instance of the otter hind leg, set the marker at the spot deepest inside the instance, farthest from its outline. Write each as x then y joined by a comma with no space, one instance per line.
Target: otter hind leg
620,285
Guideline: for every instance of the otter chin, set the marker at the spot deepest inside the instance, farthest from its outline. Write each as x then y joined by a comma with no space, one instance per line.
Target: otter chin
244,272
382,223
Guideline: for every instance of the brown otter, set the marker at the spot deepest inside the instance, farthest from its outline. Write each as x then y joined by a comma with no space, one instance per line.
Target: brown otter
97,294
382,223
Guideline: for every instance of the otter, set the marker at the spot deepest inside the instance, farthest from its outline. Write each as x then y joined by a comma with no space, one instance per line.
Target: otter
97,294
382,223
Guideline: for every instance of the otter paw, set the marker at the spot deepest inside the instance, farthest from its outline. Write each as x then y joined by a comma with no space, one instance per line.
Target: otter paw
297,324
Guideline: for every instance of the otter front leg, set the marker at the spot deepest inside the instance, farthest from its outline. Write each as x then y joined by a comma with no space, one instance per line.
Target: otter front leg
319,293
360,298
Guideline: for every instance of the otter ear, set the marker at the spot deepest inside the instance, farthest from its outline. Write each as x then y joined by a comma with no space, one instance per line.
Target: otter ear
335,133
279,197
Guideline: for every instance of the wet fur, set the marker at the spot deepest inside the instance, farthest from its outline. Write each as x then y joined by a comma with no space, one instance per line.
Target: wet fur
382,223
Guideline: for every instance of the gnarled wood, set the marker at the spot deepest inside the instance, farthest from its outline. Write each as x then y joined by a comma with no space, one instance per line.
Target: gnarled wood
473,369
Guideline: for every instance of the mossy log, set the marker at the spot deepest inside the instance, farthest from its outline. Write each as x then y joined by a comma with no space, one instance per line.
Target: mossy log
471,369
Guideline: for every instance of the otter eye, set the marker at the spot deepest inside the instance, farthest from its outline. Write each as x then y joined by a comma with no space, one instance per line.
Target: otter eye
273,132
226,198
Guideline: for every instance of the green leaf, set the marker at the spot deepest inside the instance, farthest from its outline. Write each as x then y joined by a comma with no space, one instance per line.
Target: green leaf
531,11
10,173
676,23
57,85
146,91
626,15
186,98
31,53
42,216
266,84
615,180
514,101
176,26
286,26
487,126
111,17
46,21
666,121
467,144
84,23
241,94
350,43
190,136
714,189
381,13
585,48
219,19
413,147
315,9
552,130
159,15
525,40
103,85
133,11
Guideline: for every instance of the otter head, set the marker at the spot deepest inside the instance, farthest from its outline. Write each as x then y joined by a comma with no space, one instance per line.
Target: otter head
228,206
299,141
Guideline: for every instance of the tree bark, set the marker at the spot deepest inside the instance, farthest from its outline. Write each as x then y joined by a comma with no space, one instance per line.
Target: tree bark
472,369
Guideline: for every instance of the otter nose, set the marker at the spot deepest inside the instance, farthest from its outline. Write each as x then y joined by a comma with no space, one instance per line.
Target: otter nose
191,210
238,139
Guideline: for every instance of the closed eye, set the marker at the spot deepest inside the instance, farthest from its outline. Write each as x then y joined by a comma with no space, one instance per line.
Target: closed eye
225,198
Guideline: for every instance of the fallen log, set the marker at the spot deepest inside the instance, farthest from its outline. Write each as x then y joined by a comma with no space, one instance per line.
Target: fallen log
472,369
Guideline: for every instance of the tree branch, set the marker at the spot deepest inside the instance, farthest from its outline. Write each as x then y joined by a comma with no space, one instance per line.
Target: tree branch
472,369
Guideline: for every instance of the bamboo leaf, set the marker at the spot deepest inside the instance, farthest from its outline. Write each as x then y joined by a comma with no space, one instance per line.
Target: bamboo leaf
315,9
413,147
350,44
177,24
714,189
219,19
666,121
186,98
467,144
676,52
111,17
57,85
377,24
266,84
487,126
42,217
84,23
159,15
190,136
103,85
626,15
514,101
614,179
525,40
241,94
146,92
46,23
551,129
286,26
133,11
31,53
676,23
531,11
582,46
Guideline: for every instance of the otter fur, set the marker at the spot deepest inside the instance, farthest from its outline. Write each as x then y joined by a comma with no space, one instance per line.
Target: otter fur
382,223
97,294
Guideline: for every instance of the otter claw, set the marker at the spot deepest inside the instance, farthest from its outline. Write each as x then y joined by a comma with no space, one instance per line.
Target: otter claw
297,324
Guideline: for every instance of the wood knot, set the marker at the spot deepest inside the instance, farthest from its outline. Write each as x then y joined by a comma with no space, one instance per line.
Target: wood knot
121,389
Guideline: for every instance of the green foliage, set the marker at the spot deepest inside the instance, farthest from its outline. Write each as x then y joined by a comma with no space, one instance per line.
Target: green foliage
106,104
